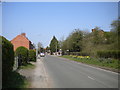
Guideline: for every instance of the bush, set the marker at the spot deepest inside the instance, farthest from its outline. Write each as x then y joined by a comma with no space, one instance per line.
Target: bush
7,58
22,53
32,55
109,54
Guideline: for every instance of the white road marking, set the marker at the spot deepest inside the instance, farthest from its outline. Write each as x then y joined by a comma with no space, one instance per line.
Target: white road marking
91,78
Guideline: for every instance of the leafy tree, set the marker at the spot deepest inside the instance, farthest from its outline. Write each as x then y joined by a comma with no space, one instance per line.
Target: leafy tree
65,46
61,42
74,41
47,48
116,33
54,46
98,36
108,38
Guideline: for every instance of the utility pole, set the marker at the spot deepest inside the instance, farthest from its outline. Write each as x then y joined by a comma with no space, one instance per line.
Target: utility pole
36,51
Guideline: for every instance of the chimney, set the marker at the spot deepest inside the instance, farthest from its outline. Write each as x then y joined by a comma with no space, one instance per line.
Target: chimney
23,34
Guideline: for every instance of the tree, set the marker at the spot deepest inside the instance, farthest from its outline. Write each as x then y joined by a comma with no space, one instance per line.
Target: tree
116,33
34,46
108,37
61,42
98,36
73,42
47,49
40,47
54,46
76,40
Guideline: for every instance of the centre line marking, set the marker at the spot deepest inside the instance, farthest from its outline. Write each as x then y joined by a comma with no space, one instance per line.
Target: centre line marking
91,78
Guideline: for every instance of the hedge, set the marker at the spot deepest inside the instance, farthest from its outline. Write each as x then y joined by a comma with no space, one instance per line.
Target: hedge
7,58
79,53
22,53
109,54
32,55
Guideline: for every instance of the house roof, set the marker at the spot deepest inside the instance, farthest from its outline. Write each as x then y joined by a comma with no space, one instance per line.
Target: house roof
22,36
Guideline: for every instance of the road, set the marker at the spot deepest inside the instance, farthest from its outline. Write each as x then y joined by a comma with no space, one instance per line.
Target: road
68,74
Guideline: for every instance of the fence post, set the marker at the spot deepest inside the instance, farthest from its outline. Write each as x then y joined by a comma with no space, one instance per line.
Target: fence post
15,67
19,60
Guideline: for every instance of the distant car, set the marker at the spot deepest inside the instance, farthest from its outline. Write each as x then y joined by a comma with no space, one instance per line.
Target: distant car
42,54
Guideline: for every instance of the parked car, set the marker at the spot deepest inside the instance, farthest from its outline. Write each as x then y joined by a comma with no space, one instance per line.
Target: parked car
42,54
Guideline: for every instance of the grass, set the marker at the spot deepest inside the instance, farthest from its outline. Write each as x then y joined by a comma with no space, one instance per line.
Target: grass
15,80
27,66
109,63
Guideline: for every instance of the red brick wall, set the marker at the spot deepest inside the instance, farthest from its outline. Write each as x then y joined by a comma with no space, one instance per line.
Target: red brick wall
20,40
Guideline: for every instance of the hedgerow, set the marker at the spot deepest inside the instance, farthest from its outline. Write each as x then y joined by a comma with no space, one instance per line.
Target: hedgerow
7,59
109,54
32,55
22,53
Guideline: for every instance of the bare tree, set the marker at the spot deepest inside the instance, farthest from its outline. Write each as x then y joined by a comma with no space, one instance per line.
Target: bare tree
40,46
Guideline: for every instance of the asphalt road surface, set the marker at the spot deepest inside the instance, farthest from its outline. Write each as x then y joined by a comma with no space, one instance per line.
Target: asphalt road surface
70,74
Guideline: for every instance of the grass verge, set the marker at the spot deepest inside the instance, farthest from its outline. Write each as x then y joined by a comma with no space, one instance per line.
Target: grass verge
111,64
27,66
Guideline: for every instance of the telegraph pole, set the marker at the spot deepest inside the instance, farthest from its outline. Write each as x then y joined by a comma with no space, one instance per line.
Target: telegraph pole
36,52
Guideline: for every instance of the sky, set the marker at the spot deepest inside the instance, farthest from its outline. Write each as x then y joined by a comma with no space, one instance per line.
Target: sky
42,20
60,0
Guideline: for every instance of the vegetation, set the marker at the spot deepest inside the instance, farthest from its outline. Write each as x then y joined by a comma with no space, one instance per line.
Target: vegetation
93,43
54,46
96,48
22,53
10,78
109,54
108,63
7,59
7,55
32,55
15,80
40,48
28,66
73,41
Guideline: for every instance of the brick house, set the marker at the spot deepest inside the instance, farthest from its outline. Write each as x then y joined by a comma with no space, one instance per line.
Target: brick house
22,40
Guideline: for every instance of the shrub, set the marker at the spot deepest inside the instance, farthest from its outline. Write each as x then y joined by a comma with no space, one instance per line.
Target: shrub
109,54
32,55
7,58
23,52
